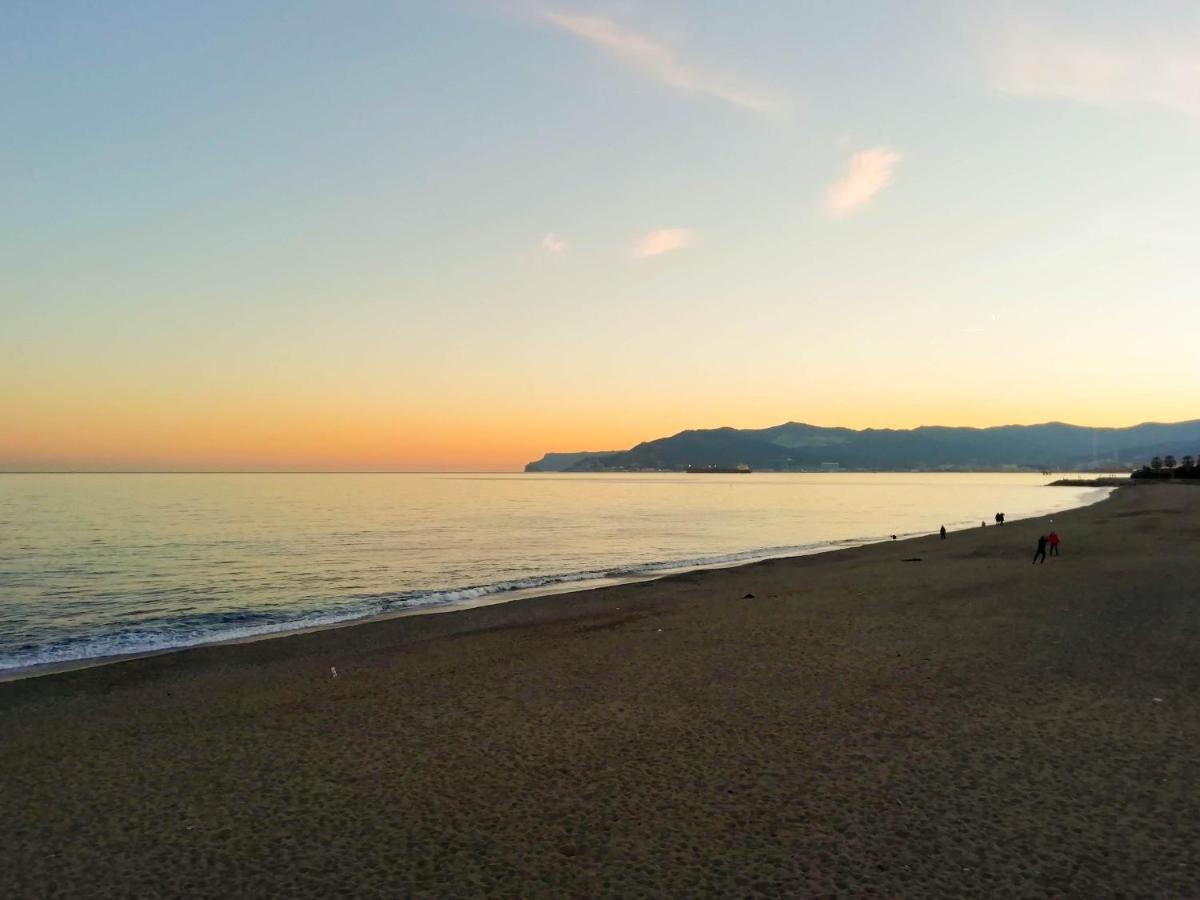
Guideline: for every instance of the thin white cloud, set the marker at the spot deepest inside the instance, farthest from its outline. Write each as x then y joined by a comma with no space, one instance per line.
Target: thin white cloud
869,172
1107,66
552,243
664,240
657,61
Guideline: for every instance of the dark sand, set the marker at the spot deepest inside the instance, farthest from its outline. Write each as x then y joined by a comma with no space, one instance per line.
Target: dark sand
964,725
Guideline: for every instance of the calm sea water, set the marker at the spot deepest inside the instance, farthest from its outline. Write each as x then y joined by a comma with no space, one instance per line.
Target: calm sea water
97,565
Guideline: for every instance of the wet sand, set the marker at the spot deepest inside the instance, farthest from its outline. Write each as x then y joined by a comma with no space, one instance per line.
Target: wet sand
919,718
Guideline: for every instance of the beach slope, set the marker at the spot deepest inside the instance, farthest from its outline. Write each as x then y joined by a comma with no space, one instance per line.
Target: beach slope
917,718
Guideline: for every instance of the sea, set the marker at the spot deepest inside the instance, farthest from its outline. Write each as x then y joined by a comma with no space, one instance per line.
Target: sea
102,565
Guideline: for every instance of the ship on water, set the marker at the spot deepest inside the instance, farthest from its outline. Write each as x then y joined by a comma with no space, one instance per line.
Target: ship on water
740,469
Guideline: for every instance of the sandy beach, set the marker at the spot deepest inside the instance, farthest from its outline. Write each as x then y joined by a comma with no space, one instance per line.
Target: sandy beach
918,718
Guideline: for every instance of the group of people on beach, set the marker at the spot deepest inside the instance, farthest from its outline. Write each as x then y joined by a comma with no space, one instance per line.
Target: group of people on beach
998,519
1051,540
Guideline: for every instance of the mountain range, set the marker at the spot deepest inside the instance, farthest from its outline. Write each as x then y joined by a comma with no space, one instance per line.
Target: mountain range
795,446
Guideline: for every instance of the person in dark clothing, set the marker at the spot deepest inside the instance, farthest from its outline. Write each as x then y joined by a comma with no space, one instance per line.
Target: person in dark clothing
1001,518
1041,549
1055,540
943,532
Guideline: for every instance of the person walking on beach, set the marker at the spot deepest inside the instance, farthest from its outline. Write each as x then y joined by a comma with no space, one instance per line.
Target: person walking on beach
943,532
1055,540
1041,549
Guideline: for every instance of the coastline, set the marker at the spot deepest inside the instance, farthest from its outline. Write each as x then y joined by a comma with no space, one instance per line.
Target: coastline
554,589
556,586
923,718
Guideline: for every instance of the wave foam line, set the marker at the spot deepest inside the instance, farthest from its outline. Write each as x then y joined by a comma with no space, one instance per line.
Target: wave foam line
219,627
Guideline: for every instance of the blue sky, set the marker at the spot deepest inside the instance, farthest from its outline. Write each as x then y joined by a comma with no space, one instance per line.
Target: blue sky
459,233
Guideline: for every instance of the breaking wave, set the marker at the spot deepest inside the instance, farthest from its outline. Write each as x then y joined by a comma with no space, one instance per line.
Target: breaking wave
181,631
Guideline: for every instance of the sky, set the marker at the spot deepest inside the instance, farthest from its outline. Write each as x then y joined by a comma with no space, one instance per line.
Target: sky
455,235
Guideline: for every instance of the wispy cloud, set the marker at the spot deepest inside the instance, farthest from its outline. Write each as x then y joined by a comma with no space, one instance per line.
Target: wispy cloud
869,172
664,240
656,60
552,243
1105,66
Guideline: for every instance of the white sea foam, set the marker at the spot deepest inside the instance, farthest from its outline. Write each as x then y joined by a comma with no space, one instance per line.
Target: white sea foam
135,642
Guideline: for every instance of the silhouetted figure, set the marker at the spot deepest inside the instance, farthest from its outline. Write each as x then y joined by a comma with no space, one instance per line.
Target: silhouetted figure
1055,540
996,518
1001,515
1041,550
943,532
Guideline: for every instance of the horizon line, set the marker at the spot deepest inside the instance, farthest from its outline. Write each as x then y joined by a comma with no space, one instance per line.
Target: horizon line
260,471
1014,470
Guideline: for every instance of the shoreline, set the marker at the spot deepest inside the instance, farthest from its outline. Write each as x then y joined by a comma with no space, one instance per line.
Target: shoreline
515,596
1106,481
559,586
929,718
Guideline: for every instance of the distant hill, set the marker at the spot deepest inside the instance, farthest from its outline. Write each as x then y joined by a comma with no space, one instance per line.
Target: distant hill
798,447
561,462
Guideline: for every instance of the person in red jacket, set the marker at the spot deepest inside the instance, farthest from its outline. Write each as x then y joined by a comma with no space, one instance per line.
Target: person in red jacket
1055,540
